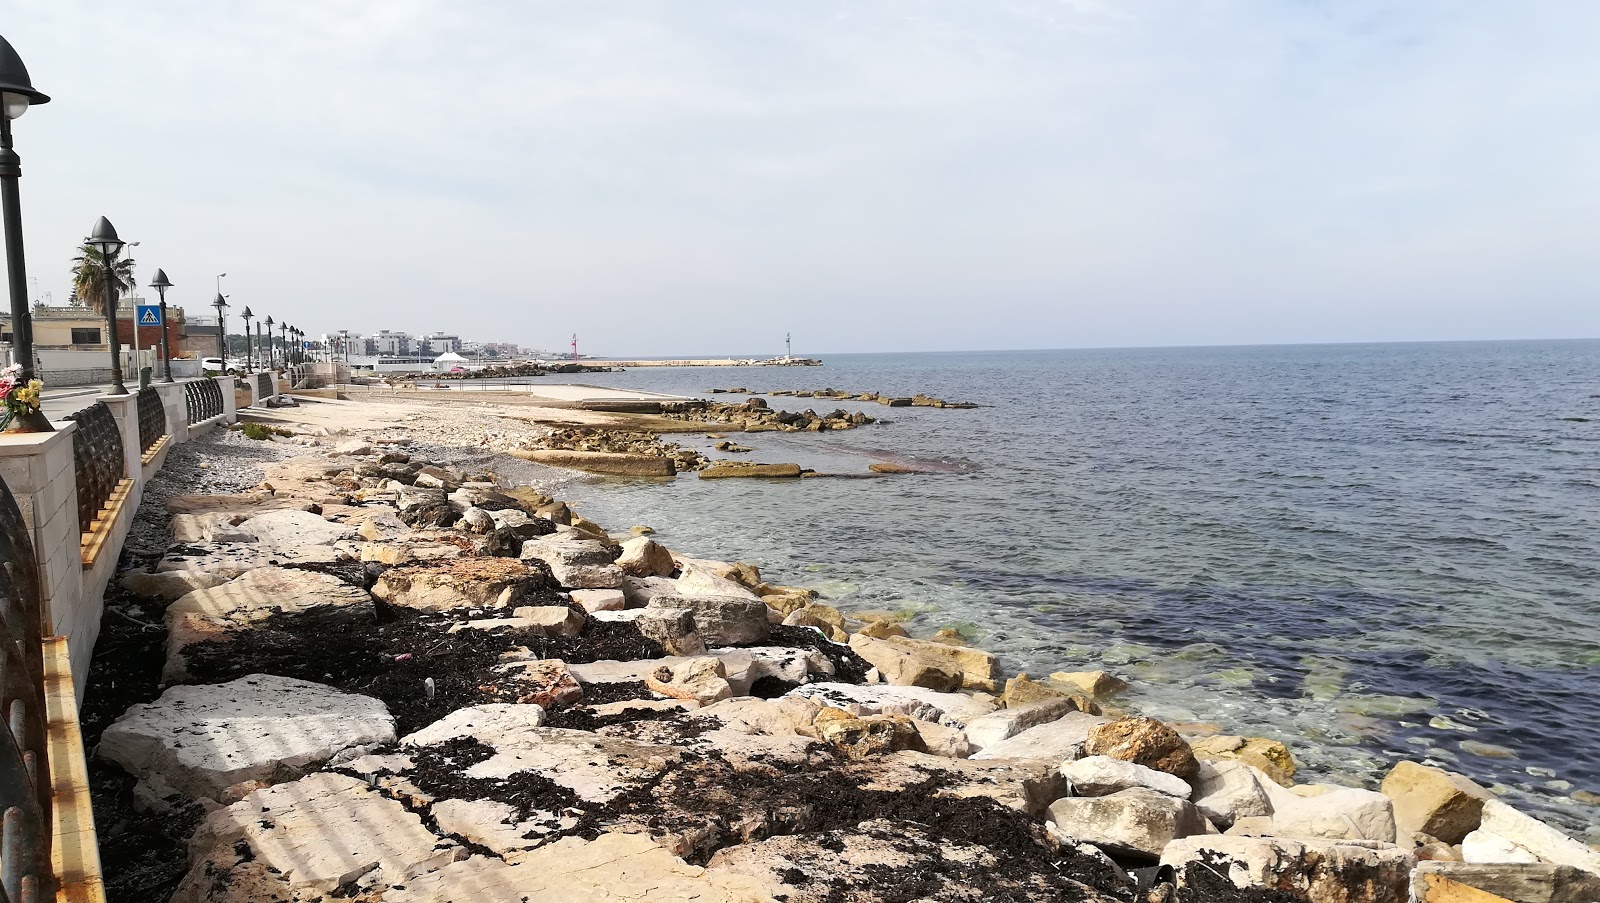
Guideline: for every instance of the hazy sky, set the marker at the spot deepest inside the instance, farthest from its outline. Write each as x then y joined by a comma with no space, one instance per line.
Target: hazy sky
702,176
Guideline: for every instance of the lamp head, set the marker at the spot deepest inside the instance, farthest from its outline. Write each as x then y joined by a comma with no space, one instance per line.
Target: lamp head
103,238
16,88
160,283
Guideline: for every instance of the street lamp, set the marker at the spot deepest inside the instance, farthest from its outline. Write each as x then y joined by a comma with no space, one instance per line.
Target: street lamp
161,284
283,333
16,95
248,359
104,239
272,361
344,344
221,304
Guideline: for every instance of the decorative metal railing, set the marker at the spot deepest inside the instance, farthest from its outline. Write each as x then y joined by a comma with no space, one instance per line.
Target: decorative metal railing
97,461
152,418
263,385
25,817
203,398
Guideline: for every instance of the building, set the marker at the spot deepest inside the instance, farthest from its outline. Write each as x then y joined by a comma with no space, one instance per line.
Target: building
391,343
440,343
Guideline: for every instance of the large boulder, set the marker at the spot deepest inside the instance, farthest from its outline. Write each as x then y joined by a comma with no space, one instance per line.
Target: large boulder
1324,811
201,740
950,709
671,628
218,613
1103,776
1433,801
305,839
1144,741
703,679
978,670
614,463
1316,871
576,563
1226,791
721,470
230,560
1270,756
990,730
1097,684
1533,882
721,620
644,557
905,667
463,582
702,578
1136,822
169,585
1524,832
289,529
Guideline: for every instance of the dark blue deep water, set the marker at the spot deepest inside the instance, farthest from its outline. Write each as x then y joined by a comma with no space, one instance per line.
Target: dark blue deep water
1368,551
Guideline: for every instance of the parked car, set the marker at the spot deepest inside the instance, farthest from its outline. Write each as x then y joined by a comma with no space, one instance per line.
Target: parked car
218,365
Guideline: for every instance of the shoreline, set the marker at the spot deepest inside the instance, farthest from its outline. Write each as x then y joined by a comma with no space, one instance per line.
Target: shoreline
1058,719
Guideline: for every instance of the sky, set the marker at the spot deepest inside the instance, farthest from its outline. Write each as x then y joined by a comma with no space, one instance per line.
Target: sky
684,177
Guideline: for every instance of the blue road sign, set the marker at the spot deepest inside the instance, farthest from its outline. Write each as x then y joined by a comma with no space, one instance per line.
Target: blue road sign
149,315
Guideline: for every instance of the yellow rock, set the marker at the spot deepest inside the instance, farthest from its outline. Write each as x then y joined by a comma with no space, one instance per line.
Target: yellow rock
786,603
881,630
825,618
1094,683
1270,756
978,670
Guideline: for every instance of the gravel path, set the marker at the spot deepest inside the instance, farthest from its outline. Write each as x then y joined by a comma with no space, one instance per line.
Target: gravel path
221,461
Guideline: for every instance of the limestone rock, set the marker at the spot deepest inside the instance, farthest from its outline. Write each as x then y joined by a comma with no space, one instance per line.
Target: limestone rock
1433,801
1542,882
475,582
640,590
293,529
381,523
1270,756
876,628
644,557
1103,776
867,736
614,463
209,526
1006,723
672,628
747,665
316,834
1097,684
600,599
541,620
978,670
544,682
950,709
1537,838
698,579
721,470
1026,786
1022,690
169,584
612,868
1339,813
1226,791
218,612
942,740
202,739
824,618
1317,871
721,620
230,560
353,447
905,667
1136,822
703,679
1144,741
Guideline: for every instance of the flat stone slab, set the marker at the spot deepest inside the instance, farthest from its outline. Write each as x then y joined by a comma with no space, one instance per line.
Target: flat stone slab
215,613
203,739
169,585
1055,740
950,709
312,835
230,560
458,583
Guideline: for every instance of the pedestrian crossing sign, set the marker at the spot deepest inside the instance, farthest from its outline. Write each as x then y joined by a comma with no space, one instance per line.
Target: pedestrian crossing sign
149,315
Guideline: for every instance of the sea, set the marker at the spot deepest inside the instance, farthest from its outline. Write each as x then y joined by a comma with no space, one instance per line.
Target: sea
1370,552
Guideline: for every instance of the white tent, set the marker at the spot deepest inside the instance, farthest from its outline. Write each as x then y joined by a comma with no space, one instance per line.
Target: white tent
450,358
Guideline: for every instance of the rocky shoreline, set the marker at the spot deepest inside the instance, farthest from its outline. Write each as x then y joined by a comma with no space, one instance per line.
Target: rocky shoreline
358,674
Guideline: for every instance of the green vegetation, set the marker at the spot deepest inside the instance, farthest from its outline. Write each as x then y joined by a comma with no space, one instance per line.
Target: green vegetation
260,431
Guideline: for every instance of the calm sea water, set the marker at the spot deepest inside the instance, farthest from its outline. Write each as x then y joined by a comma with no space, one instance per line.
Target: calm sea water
1371,552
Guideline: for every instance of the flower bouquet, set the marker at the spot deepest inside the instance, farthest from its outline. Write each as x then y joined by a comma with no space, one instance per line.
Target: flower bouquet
21,400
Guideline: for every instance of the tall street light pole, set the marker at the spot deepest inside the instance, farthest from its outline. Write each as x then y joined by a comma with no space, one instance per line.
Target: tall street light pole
248,359
221,304
104,239
161,284
283,331
16,95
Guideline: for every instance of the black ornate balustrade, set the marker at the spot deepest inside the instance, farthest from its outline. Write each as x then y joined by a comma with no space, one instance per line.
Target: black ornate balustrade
97,460
25,825
203,398
152,418
263,385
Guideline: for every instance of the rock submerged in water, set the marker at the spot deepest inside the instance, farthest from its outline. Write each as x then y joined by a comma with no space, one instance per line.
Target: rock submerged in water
722,470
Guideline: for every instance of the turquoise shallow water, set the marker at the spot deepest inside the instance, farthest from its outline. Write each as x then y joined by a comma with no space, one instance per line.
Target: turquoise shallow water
1368,551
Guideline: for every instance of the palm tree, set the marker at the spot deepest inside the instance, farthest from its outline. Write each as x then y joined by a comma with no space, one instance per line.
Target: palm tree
89,277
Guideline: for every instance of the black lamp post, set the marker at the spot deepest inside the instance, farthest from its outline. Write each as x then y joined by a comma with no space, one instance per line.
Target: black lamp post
272,361
248,359
160,284
104,239
221,304
16,95
283,334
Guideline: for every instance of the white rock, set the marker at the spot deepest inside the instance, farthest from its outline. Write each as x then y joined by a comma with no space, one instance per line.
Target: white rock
795,666
1318,871
1485,848
203,739
697,580
1226,791
1341,813
353,447
1135,822
644,557
323,831
640,590
1538,838
594,600
497,719
293,529
169,584
1053,730
949,709
1103,776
